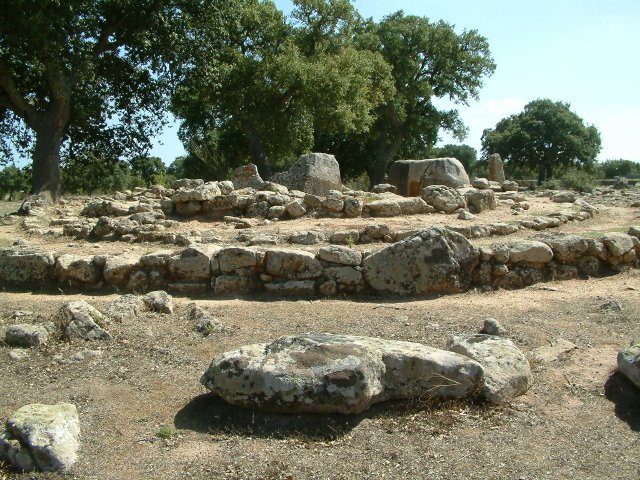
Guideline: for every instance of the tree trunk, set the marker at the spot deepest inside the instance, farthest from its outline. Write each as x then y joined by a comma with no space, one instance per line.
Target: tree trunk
49,129
542,172
258,155
46,159
384,156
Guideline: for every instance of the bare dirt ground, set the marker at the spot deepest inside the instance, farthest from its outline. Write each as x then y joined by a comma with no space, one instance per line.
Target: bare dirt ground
579,420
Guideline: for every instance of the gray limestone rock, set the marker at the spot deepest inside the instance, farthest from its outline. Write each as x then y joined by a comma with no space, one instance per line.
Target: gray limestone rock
480,200
125,307
159,301
444,171
629,362
292,264
80,321
496,168
28,335
25,267
42,437
433,260
314,173
340,255
324,373
443,198
507,373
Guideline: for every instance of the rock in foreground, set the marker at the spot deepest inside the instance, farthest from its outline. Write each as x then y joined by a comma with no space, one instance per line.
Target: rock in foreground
507,373
629,362
324,373
41,437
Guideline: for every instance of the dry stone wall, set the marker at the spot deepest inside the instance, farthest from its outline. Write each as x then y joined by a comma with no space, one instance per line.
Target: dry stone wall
435,260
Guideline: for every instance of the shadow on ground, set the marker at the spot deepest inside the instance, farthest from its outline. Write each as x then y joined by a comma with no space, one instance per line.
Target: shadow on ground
626,397
208,413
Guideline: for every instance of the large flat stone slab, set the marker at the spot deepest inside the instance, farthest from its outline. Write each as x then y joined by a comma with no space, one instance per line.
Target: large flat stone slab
325,373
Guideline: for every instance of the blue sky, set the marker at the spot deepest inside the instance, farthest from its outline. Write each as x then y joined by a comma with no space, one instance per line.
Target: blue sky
583,52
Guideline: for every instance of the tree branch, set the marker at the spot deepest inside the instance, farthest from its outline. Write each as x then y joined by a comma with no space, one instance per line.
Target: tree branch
14,100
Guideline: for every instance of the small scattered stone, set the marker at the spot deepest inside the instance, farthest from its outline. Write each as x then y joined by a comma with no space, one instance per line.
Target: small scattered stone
159,301
492,327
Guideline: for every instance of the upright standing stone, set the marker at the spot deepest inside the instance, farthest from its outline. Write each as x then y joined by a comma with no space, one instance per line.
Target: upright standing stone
315,173
496,168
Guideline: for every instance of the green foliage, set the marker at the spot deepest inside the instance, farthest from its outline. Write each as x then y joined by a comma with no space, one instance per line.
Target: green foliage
273,83
465,153
359,182
573,179
166,432
81,76
546,136
92,173
428,60
150,169
619,168
13,180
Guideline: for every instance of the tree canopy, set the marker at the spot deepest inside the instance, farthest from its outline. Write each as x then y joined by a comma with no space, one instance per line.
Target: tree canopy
79,75
275,81
429,61
546,136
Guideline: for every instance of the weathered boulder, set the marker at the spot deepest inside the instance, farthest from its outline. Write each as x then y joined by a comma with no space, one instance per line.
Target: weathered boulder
193,263
340,255
76,270
443,198
496,168
117,269
529,251
324,373
159,301
384,188
125,307
444,171
105,208
507,373
233,284
41,437
353,207
80,321
201,193
28,335
187,183
383,208
480,183
566,248
510,186
314,173
240,260
247,176
307,237
292,264
348,276
295,209
413,206
435,260
629,362
25,267
618,244
480,200
563,197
